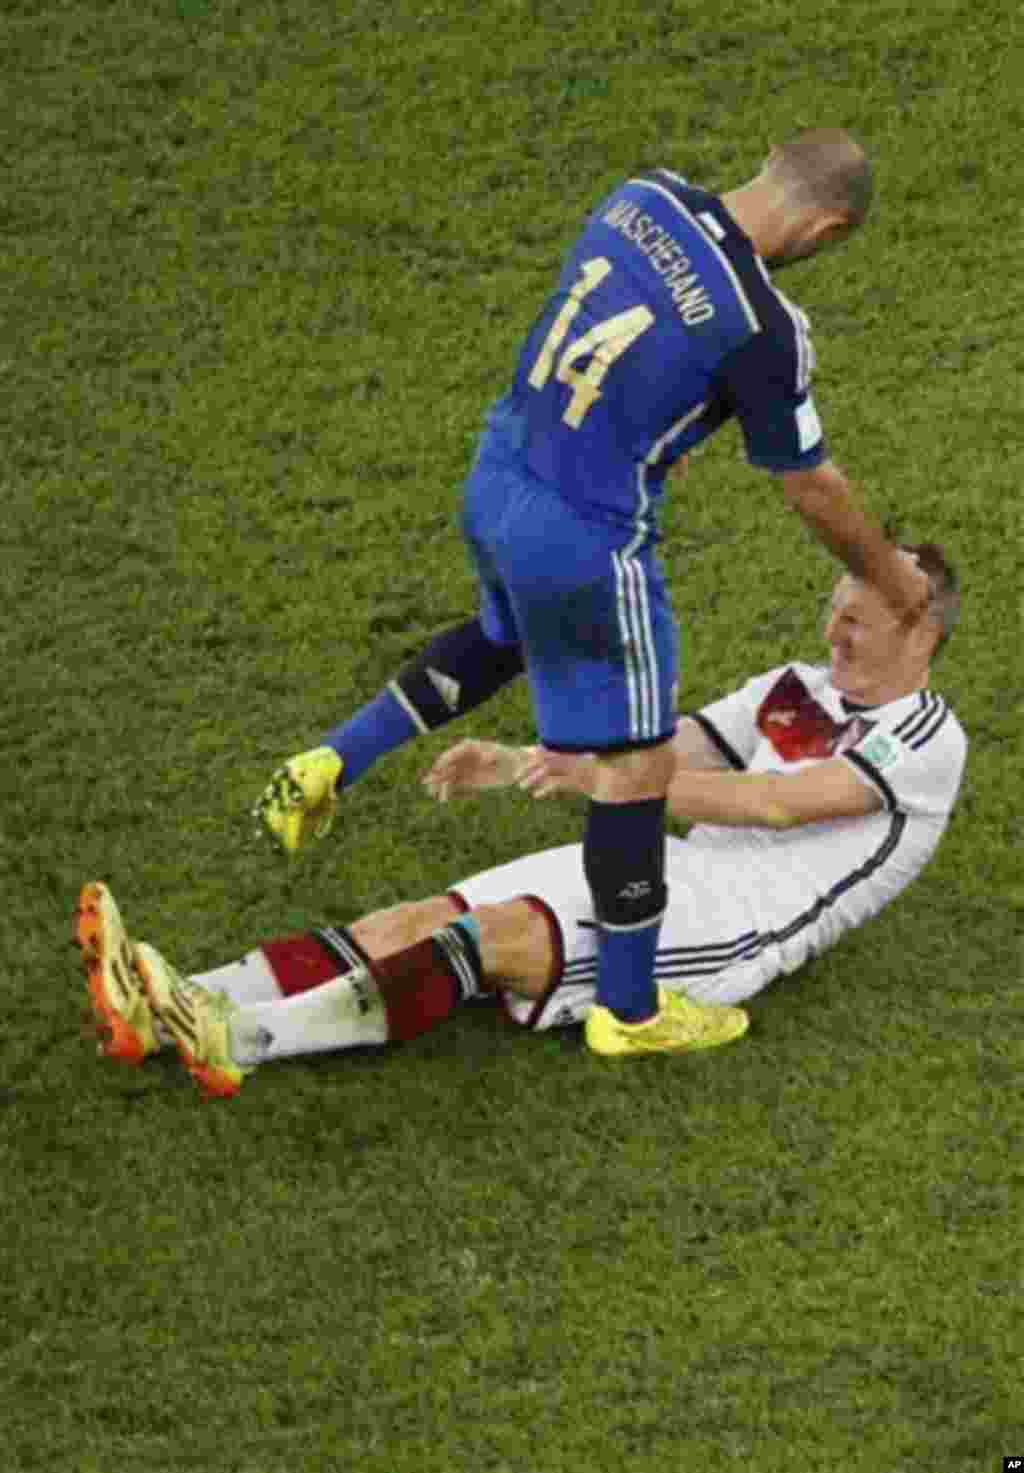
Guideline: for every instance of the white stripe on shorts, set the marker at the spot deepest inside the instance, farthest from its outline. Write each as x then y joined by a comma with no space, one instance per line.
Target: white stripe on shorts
638,642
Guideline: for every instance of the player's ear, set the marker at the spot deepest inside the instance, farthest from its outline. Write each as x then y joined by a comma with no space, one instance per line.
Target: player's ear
770,160
829,229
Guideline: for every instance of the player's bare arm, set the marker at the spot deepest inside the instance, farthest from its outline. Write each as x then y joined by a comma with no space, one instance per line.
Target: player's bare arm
475,766
546,773
828,790
693,748
824,499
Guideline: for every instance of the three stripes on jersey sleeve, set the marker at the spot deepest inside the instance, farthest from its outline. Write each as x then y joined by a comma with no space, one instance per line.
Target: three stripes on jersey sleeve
917,729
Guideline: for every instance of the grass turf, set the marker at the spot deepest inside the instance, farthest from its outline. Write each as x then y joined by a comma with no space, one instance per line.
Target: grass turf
265,265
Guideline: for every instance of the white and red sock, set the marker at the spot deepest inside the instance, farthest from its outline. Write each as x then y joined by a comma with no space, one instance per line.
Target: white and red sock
316,1010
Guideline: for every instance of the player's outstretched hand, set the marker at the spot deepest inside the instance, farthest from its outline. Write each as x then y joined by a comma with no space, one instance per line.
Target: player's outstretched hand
471,766
299,803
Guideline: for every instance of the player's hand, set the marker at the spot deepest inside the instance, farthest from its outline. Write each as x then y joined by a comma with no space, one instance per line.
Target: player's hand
298,804
545,773
471,766
917,592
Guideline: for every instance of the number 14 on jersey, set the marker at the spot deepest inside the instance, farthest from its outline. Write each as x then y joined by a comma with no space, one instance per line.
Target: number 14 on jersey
604,342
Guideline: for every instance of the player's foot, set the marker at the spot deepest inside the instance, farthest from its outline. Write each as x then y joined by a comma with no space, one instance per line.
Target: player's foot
678,1027
197,1021
120,1008
299,802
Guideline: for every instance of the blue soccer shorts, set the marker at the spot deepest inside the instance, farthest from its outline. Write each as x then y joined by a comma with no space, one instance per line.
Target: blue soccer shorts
586,600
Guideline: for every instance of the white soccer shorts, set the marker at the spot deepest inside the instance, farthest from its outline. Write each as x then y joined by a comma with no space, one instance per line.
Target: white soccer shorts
709,947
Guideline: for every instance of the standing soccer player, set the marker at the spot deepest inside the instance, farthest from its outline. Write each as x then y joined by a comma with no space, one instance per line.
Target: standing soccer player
664,324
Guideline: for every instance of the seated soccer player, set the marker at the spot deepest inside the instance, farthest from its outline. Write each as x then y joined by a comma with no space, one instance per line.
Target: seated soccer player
817,794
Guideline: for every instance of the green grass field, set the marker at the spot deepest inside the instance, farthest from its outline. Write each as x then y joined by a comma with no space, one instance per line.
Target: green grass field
264,267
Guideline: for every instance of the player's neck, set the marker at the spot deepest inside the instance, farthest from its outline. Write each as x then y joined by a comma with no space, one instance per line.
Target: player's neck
760,216
883,693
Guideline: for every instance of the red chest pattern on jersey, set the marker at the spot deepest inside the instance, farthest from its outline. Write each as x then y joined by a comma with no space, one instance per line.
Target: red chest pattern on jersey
798,727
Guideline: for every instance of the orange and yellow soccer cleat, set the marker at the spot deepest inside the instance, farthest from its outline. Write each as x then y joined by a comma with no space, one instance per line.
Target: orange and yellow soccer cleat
120,1008
198,1022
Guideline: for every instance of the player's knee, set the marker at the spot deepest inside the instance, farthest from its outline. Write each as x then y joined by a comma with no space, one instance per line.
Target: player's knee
517,944
506,923
458,671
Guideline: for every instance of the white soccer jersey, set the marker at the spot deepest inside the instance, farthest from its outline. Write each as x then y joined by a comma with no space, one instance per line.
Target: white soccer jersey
746,904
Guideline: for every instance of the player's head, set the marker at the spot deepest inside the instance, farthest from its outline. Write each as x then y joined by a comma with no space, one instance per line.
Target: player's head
820,186
874,657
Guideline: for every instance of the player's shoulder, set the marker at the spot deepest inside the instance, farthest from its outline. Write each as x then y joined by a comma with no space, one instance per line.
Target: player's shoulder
776,312
922,722
913,751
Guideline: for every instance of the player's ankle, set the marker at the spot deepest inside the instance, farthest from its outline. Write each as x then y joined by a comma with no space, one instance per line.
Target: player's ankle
634,1017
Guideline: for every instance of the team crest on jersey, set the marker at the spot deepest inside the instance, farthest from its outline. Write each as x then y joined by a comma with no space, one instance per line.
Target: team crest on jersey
881,751
799,727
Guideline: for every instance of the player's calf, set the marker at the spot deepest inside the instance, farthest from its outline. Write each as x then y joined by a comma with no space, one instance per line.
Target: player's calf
624,862
457,671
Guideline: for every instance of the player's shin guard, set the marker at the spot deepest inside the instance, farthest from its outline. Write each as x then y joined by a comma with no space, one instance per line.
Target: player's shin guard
624,862
300,963
391,999
422,984
458,671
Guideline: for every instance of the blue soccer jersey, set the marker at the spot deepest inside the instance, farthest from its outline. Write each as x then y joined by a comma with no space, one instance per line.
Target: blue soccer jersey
664,324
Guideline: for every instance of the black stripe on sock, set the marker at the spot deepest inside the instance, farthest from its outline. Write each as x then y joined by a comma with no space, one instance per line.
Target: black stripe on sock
339,943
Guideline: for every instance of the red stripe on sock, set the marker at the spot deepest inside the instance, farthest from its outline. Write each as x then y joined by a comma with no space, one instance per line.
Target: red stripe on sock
300,963
417,988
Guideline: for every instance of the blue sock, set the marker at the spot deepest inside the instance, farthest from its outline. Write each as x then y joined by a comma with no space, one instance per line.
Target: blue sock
625,971
378,728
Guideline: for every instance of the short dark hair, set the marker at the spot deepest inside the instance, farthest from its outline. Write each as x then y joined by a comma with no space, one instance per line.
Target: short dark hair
943,586
831,169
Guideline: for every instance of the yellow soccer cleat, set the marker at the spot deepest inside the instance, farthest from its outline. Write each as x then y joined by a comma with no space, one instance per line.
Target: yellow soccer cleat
680,1026
120,1008
299,802
198,1022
